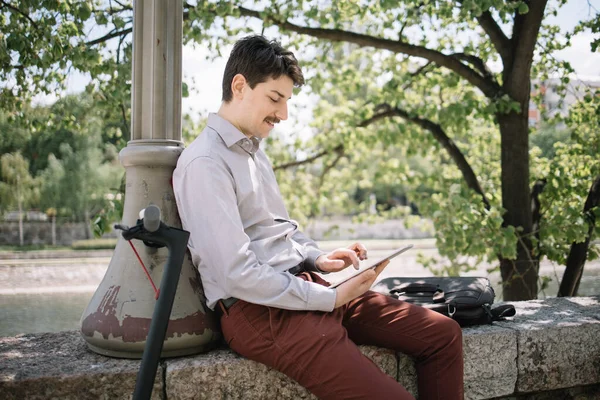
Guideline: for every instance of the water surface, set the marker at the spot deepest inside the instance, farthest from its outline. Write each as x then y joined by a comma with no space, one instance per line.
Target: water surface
45,312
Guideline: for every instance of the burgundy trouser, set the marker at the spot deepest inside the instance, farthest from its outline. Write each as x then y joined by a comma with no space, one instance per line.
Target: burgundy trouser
319,349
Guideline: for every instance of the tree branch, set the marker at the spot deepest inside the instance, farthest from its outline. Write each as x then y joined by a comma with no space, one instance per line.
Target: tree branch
123,5
125,122
113,11
476,62
15,9
340,153
338,149
500,41
389,112
569,284
421,70
108,36
498,38
440,135
488,86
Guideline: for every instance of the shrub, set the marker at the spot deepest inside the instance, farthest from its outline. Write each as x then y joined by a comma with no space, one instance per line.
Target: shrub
95,244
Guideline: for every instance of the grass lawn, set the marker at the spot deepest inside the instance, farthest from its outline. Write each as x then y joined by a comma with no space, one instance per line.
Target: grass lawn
32,247
91,244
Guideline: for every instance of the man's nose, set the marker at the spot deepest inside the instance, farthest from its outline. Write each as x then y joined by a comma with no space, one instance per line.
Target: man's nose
282,112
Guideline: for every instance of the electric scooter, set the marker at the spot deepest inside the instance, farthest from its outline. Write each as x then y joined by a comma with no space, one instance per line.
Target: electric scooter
155,233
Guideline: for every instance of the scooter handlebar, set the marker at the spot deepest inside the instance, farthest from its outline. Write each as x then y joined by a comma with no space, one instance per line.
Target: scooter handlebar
151,218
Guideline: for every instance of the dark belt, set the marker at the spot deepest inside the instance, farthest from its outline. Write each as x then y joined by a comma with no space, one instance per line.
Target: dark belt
225,304
297,269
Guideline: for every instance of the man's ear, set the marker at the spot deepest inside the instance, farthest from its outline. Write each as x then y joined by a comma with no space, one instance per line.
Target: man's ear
238,83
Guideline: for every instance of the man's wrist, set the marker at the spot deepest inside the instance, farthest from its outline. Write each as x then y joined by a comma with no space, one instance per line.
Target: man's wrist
311,261
317,265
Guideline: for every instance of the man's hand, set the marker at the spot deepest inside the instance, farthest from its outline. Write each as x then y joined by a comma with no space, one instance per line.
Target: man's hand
341,258
358,285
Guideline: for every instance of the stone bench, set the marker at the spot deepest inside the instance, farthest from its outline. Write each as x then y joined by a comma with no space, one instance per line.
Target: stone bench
550,350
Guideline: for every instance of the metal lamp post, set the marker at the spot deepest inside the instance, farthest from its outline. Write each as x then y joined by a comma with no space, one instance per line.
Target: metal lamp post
117,319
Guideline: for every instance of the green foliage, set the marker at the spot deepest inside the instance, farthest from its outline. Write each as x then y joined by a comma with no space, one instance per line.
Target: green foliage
40,40
44,129
387,119
29,248
69,153
112,210
546,137
190,128
592,25
94,244
569,176
17,187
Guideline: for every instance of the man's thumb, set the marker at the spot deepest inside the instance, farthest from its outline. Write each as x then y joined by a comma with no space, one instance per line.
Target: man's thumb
368,275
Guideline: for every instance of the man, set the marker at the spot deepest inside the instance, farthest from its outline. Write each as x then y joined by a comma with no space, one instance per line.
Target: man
258,269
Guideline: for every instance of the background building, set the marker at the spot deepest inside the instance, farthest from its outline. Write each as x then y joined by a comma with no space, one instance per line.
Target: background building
553,102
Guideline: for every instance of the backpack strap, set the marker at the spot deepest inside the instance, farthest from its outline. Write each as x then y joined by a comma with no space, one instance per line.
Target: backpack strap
417,289
439,296
499,313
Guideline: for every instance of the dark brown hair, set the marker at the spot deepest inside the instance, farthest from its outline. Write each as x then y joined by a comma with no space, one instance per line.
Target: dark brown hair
259,59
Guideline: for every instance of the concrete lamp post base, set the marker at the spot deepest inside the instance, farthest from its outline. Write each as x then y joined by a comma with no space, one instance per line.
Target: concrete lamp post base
117,319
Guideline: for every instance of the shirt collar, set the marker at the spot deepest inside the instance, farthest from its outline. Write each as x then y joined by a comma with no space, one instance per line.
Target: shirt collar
232,135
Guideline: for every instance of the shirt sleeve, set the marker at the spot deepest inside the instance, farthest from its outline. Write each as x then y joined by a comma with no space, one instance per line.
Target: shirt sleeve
312,251
207,203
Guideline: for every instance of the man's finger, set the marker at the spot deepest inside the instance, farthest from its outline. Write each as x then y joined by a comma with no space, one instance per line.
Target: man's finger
359,249
347,254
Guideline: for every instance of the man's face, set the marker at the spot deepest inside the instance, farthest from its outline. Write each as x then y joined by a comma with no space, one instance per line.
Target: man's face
265,105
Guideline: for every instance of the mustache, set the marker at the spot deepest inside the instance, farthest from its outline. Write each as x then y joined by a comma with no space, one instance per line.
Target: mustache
273,120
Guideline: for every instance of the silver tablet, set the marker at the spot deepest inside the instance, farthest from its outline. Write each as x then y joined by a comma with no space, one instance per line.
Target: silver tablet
372,264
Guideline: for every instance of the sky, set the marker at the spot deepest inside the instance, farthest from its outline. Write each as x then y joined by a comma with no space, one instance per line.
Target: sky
204,77
586,63
205,93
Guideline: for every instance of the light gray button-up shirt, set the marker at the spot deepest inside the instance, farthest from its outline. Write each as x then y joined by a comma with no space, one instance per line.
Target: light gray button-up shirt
241,237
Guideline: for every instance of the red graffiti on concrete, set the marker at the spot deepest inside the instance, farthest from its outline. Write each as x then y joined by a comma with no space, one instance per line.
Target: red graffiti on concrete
104,320
135,329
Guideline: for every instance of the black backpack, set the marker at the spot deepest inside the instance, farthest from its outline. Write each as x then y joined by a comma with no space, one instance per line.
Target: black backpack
467,300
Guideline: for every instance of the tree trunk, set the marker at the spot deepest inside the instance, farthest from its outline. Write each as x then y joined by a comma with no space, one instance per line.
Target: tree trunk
54,230
88,229
569,284
20,224
536,215
519,276
20,205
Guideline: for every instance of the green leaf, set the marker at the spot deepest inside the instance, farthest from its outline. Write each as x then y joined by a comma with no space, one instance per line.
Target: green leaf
523,8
